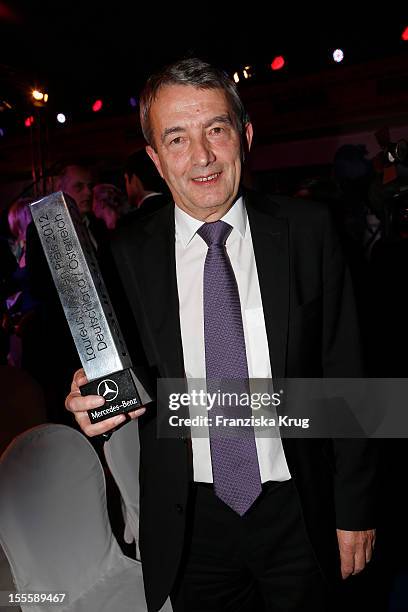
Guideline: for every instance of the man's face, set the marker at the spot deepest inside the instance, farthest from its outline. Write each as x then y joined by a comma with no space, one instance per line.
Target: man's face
198,149
77,183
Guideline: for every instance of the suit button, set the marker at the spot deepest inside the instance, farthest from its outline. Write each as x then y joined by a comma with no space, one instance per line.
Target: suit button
179,508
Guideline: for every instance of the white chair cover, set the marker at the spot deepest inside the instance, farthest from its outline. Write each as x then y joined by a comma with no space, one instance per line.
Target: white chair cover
54,526
122,456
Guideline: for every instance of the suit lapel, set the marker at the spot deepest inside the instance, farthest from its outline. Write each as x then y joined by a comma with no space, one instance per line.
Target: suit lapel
158,280
270,241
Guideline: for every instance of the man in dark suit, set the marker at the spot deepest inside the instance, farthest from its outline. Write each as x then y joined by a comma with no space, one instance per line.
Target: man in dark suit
143,186
261,533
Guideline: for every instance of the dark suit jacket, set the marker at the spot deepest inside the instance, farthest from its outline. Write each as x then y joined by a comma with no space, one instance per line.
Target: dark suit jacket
149,205
312,332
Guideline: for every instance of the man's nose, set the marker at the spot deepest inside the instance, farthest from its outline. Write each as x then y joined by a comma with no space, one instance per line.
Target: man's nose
202,154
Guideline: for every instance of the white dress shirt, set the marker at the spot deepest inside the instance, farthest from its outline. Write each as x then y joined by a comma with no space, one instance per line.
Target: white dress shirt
191,251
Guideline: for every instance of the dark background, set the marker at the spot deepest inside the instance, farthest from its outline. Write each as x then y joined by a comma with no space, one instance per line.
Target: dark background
82,50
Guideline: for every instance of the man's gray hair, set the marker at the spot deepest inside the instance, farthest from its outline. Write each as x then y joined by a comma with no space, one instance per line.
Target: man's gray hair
196,73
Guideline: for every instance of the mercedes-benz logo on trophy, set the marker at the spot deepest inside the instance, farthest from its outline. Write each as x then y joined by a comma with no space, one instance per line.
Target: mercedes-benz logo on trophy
87,308
108,389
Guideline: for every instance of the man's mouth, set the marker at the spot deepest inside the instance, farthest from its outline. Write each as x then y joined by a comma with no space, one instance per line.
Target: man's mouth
207,179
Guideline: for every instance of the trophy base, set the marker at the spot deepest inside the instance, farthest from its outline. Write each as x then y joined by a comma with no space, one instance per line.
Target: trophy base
122,391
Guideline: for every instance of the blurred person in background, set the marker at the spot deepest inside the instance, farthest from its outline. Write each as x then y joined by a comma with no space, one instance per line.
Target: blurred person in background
109,204
19,217
20,304
77,181
145,190
8,266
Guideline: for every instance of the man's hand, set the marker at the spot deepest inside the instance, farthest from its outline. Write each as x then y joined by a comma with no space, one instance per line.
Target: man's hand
356,549
79,405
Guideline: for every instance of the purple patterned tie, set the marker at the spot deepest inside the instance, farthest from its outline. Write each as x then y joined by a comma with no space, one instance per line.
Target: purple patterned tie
234,457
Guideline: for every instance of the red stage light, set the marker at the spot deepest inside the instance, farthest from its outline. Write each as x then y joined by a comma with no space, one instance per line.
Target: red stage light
28,122
97,105
278,63
404,35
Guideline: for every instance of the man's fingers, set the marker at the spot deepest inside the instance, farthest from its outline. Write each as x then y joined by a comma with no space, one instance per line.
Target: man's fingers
96,429
347,547
355,550
75,402
134,414
347,564
82,417
79,406
369,548
359,560
78,380
368,552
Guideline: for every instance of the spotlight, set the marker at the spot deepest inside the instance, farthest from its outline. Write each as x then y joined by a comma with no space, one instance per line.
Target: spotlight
338,55
2,132
236,77
97,105
247,72
133,102
278,62
28,122
404,35
37,95
61,118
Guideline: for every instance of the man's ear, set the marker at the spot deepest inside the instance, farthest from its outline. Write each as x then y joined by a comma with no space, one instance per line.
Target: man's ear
155,159
249,133
246,141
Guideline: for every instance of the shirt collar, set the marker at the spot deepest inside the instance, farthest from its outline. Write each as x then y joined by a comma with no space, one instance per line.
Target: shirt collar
148,195
187,226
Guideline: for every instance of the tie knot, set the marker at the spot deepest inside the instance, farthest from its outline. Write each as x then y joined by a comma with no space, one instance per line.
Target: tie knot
215,233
